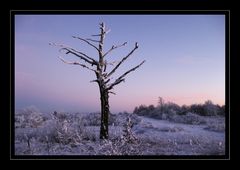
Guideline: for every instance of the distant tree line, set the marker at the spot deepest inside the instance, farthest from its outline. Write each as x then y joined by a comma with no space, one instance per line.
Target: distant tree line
169,108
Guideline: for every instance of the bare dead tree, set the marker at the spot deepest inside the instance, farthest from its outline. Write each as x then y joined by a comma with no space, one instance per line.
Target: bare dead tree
99,67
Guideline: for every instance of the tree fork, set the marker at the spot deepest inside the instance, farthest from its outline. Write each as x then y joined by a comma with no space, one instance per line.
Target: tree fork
100,68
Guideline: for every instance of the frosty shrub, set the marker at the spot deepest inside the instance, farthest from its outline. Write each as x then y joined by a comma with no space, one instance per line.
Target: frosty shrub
35,119
170,108
107,147
89,134
189,118
207,109
29,118
210,109
29,110
216,124
77,130
184,110
128,135
47,133
216,127
149,111
119,147
221,110
126,144
93,119
60,116
26,137
142,110
171,114
164,116
25,134
61,129
19,121
66,131
171,129
120,118
156,113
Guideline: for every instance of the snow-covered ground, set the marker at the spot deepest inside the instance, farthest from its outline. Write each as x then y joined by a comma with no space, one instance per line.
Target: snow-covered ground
180,139
37,134
157,127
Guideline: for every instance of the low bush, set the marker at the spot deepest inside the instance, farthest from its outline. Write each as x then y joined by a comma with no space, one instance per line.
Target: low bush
189,118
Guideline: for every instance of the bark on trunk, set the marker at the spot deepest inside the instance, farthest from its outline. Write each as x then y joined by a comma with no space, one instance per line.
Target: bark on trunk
104,113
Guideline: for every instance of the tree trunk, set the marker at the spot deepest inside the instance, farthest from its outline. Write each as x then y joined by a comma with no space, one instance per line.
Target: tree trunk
104,113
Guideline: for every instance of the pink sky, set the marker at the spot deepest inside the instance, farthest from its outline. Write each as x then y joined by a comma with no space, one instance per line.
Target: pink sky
185,61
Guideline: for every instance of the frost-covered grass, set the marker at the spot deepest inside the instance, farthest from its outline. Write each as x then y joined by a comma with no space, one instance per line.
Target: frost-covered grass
78,134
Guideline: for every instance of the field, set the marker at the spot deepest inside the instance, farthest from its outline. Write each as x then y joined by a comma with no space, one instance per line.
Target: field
39,133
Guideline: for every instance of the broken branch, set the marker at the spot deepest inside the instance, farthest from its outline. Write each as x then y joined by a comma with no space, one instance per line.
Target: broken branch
92,81
79,54
105,66
124,58
107,81
86,41
106,32
89,39
96,35
112,92
114,47
121,78
75,63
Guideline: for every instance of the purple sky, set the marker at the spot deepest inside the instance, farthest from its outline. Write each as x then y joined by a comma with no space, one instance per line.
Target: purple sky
185,60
